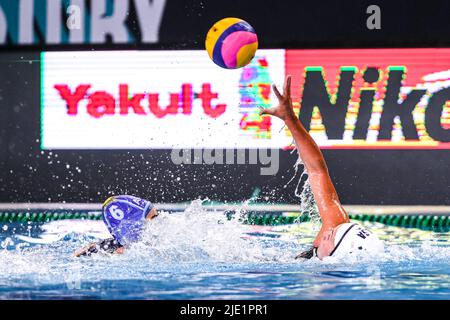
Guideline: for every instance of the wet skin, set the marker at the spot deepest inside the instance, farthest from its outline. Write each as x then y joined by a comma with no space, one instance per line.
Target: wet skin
330,208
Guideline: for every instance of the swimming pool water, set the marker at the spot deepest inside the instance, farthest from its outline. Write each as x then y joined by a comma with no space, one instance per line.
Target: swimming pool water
201,255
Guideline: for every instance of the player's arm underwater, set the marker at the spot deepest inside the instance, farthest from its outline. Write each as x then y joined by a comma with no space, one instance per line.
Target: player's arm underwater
108,246
331,211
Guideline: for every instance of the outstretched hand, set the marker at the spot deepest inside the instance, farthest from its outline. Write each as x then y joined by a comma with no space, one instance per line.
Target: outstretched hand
284,110
308,254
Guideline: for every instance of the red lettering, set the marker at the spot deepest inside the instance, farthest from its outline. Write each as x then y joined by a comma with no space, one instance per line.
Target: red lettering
101,103
153,102
206,96
126,103
72,100
186,93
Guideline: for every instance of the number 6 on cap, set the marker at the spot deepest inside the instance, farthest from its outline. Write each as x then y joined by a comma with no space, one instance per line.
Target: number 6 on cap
116,212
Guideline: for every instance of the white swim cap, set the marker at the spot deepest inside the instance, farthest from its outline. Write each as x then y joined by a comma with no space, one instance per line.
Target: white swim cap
351,238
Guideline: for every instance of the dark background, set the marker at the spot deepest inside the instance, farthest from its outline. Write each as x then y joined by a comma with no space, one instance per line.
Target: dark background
28,174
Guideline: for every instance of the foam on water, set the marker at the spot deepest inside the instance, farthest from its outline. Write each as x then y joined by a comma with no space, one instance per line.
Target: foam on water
198,248
197,235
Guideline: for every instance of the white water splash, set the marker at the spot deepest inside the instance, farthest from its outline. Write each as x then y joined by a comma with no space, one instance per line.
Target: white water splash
174,242
201,235
308,205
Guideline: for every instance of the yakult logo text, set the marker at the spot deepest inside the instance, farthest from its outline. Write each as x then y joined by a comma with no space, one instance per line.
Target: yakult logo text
101,103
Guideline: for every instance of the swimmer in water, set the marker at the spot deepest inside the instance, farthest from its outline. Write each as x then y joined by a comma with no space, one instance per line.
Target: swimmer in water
337,236
125,217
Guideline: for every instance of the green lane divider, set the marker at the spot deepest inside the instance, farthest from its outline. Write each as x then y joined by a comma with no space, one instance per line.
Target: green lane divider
45,216
438,223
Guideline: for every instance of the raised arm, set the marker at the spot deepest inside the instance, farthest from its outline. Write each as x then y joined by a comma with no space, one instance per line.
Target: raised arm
330,209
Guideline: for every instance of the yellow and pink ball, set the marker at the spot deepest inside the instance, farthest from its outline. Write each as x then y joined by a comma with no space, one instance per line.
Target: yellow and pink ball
231,43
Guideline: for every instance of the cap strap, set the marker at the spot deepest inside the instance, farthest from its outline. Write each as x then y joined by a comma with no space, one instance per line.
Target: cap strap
342,238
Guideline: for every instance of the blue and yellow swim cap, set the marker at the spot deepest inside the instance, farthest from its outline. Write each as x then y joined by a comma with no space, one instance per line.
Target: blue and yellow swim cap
124,216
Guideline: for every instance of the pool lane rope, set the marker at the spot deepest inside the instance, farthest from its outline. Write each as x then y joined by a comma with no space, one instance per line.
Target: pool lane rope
438,223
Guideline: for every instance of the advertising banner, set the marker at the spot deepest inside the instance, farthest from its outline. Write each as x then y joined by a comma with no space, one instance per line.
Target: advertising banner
349,98
158,99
